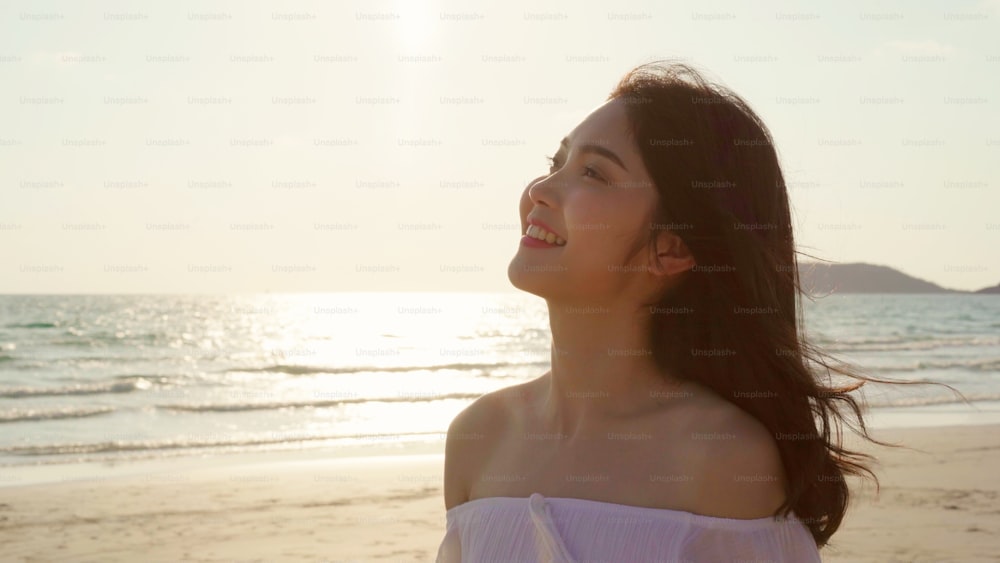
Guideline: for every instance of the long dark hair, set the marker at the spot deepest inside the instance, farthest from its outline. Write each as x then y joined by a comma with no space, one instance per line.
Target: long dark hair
733,322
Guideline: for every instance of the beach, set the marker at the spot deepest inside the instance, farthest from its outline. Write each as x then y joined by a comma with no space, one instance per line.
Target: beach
940,504
285,428
383,508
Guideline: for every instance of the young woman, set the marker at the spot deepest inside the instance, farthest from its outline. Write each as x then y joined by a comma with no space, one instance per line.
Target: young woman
680,420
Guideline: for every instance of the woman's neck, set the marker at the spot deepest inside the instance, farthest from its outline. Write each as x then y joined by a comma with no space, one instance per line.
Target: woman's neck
602,370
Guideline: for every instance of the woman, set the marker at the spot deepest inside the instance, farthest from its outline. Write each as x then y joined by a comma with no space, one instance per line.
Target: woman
678,421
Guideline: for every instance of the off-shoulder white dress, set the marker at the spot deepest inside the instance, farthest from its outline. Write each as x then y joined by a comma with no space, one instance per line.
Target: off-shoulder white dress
571,530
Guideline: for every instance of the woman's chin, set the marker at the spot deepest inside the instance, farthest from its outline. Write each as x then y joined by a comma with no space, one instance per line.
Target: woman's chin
516,275
534,279
524,279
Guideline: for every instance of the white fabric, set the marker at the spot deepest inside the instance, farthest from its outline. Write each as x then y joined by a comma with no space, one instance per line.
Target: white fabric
571,530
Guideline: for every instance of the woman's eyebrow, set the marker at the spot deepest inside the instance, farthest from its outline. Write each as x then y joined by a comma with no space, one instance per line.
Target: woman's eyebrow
597,149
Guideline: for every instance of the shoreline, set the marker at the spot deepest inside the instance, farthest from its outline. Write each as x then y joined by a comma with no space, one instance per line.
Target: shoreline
937,501
29,474
934,415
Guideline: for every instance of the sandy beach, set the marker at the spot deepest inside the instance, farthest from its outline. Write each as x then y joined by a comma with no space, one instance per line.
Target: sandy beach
940,504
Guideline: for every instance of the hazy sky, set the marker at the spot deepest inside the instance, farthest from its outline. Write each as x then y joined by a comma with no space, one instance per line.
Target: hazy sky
326,146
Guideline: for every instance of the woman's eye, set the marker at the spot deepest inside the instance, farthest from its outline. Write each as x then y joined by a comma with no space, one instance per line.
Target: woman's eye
594,172
553,166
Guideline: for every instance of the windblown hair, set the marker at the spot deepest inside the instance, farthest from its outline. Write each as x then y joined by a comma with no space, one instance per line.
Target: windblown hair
733,322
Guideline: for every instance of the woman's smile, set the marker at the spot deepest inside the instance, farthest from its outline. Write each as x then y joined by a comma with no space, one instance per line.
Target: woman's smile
538,230
532,242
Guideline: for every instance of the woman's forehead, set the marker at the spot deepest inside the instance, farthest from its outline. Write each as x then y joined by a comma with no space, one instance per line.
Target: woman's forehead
608,127
608,124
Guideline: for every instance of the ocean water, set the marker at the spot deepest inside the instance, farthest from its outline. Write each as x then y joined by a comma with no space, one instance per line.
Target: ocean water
113,377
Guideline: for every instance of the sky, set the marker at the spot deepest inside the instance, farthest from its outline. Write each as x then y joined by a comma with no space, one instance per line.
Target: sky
206,147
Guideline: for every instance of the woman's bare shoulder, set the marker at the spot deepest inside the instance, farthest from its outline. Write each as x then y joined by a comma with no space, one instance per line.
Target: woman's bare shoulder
737,461
473,434
481,417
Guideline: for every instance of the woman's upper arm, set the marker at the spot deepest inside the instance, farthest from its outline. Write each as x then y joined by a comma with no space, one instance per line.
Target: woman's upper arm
456,489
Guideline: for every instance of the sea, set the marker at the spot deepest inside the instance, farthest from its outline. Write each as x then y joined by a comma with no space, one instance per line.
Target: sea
112,378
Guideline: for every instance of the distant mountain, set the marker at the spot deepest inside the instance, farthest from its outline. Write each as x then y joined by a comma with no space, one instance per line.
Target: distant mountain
995,289
822,278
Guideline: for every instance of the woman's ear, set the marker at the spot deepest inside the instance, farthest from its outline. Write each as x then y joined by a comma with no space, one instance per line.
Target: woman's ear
672,256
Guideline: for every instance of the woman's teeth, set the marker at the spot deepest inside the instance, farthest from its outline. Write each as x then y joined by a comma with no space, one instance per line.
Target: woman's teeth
534,231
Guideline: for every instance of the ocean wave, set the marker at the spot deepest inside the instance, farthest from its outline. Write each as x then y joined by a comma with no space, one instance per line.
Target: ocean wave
237,407
76,342
32,325
181,444
18,415
127,386
987,365
883,402
295,369
904,343
113,336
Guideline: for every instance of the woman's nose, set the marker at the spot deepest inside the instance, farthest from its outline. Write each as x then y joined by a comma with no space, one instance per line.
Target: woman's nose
540,192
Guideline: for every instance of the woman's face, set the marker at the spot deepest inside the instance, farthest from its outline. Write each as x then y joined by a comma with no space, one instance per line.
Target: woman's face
598,197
